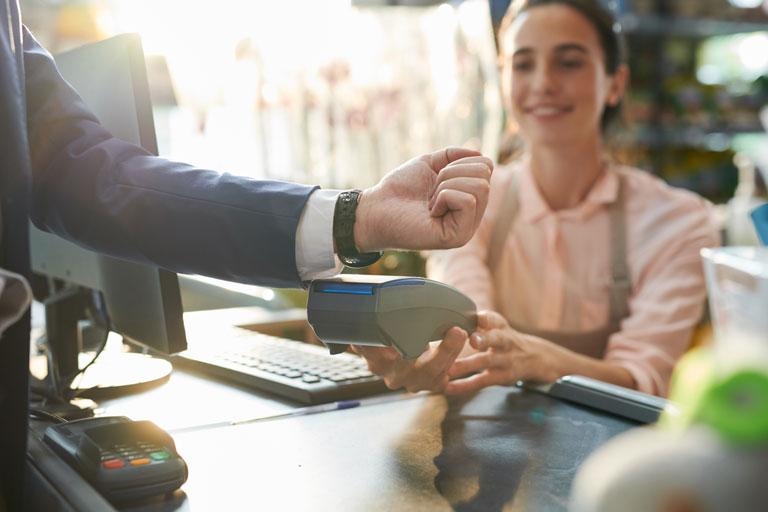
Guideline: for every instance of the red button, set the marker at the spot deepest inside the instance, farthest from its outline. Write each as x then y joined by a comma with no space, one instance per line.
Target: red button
113,463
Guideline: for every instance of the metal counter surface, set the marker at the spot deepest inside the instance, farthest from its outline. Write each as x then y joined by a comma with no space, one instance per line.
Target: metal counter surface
499,449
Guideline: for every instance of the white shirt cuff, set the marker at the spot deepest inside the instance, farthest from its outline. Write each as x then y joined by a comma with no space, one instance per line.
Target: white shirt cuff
315,257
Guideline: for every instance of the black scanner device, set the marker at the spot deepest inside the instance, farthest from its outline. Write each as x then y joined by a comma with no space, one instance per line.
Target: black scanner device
405,313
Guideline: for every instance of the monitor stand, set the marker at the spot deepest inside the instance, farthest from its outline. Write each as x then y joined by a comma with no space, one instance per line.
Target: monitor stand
116,373
113,373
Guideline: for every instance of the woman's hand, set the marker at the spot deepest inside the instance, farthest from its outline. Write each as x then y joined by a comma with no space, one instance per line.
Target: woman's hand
429,371
504,357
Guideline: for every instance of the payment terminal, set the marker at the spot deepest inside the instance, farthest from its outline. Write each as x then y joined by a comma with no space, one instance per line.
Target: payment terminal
123,459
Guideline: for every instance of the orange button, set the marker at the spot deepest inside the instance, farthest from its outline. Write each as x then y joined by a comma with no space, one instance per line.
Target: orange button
139,462
113,463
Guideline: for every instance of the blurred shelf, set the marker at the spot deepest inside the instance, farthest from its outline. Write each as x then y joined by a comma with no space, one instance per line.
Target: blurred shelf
648,24
711,139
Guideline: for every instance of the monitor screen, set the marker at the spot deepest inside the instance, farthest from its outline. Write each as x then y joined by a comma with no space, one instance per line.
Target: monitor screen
139,302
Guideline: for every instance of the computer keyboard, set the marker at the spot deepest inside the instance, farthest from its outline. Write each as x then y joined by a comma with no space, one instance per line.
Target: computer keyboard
292,369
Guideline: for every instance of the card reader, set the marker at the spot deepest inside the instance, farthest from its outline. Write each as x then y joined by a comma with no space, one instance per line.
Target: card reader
611,398
405,313
122,459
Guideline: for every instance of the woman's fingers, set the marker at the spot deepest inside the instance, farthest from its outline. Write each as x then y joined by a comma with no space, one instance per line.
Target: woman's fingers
474,383
468,365
478,342
494,332
495,339
491,320
479,362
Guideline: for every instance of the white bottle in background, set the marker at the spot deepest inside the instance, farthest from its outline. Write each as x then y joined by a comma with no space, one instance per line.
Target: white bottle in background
739,229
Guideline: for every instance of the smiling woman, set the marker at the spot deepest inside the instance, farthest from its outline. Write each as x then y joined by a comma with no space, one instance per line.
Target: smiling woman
583,266
589,267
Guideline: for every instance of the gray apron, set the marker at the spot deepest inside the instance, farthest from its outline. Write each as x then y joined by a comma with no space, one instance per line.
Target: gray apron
590,343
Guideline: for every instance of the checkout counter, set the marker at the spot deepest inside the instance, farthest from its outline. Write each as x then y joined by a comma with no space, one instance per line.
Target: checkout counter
503,448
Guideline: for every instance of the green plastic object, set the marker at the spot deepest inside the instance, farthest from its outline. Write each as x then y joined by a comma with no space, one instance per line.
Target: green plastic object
734,404
690,381
737,407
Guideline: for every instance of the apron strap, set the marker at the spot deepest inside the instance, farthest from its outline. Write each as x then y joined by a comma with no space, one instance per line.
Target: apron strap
502,225
621,284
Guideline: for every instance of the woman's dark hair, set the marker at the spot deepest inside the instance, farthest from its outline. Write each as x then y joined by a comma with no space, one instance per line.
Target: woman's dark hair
611,41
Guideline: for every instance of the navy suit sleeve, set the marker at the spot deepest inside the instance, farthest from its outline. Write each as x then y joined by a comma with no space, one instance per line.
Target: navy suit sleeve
114,197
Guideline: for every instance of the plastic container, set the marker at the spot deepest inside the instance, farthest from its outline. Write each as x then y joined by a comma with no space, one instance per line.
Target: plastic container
737,283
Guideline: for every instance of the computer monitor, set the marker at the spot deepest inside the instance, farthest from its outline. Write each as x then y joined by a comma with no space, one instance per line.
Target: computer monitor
139,302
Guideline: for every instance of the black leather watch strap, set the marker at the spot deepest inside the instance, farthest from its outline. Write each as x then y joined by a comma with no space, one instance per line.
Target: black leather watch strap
344,235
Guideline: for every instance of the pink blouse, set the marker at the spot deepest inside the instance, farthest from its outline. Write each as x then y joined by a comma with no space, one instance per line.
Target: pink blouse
554,271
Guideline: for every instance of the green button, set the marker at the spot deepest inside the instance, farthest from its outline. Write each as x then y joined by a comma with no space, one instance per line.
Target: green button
159,455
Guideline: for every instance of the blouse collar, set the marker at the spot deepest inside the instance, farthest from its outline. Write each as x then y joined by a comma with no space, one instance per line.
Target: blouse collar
533,207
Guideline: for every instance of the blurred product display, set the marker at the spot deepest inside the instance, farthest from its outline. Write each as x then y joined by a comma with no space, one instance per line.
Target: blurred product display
698,83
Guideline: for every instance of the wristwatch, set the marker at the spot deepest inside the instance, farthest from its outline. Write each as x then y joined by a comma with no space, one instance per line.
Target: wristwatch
344,235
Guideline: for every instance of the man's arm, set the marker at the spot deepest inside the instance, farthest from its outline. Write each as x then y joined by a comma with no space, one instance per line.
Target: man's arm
116,198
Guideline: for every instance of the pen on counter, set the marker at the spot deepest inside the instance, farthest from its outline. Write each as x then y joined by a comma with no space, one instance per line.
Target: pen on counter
303,411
